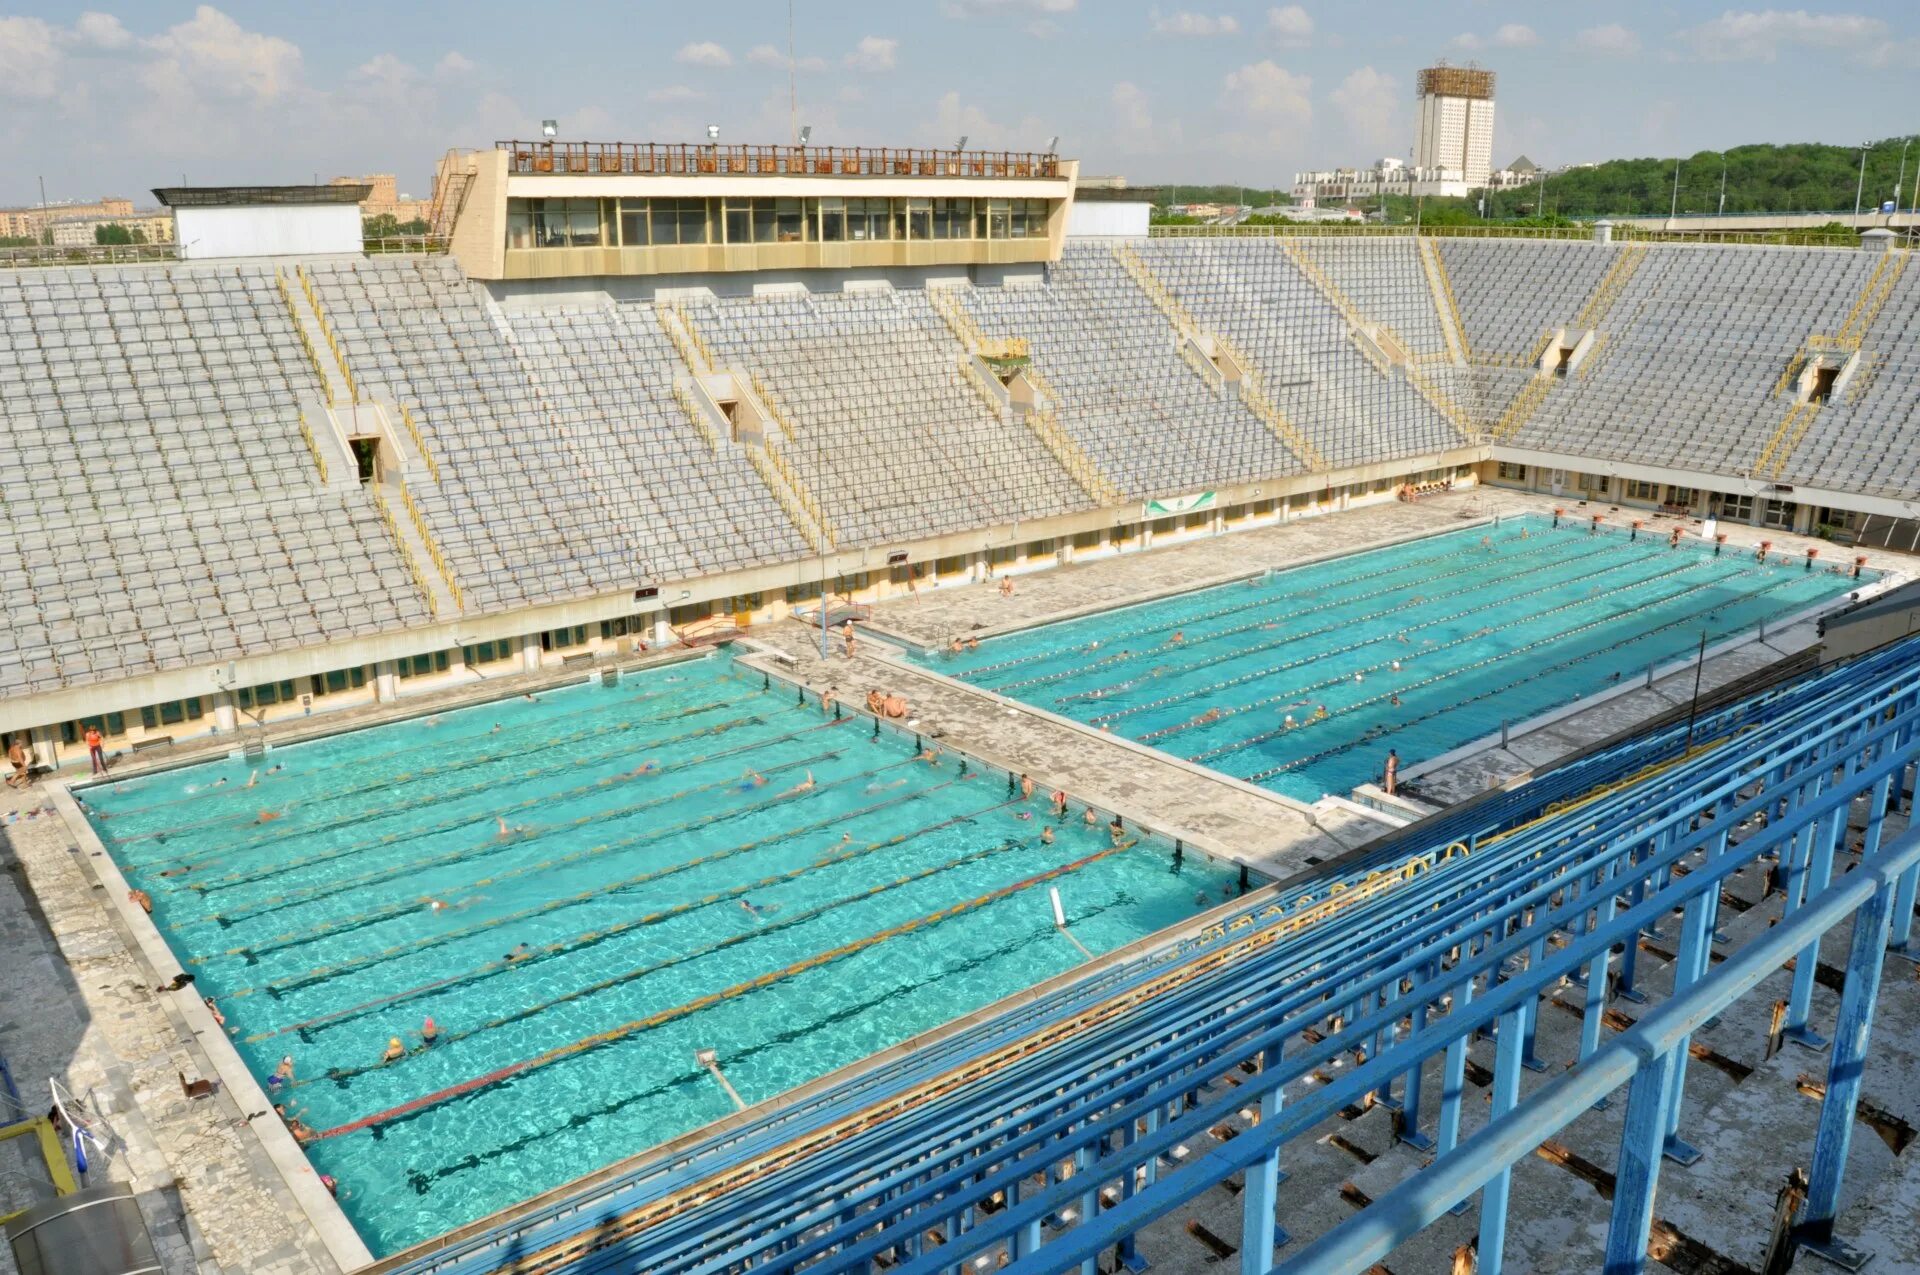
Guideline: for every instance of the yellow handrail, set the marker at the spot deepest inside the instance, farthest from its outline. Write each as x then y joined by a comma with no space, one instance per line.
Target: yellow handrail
313,448
433,548
701,425
1452,328
1521,410
419,443
1612,283
406,554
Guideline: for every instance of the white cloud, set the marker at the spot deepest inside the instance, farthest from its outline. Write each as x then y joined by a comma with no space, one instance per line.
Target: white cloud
101,31
454,62
1185,22
1611,40
29,62
1275,103
873,53
674,93
1290,27
212,55
703,53
1131,112
953,118
767,55
1369,103
1748,36
978,8
1513,35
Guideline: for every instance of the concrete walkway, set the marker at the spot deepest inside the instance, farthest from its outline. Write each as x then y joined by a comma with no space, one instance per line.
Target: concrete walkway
80,1005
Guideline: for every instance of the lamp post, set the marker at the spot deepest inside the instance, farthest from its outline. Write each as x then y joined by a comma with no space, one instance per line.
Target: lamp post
1723,186
1860,186
1673,210
1901,180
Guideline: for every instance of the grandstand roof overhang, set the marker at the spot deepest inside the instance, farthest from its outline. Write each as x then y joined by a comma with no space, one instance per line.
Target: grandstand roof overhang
257,196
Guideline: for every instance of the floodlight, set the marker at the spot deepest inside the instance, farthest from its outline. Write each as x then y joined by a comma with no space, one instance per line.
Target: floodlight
806,132
713,132
549,128
1053,143
961,144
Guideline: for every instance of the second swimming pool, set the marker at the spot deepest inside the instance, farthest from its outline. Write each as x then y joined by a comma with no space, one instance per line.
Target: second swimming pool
1302,680
581,891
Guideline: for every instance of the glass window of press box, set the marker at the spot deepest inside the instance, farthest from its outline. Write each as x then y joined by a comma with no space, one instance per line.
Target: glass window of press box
653,223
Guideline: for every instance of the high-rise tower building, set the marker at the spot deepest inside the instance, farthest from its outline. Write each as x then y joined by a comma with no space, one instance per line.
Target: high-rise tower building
1455,126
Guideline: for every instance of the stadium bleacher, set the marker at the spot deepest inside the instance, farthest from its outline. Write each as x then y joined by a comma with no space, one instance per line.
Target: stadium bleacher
168,510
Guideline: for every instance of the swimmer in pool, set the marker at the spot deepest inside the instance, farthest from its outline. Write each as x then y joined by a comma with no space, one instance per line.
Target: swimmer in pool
1046,836
648,767
520,952
751,779
758,911
878,786
252,779
804,786
268,816
395,1051
506,833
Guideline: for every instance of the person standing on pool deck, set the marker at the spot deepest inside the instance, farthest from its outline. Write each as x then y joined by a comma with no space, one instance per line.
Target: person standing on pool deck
95,753
1392,772
846,635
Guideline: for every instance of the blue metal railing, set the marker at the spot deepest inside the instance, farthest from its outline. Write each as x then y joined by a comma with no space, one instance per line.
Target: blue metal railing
1397,953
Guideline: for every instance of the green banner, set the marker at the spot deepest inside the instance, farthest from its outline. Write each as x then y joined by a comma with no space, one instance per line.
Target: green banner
1178,505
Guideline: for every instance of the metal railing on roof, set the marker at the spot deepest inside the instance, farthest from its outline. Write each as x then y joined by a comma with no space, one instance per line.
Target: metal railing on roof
1621,234
656,159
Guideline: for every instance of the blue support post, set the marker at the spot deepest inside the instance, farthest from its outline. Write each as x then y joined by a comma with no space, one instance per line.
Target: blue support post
1695,951
1453,1078
1260,1231
1410,1106
1641,1145
1530,1015
1814,1230
1630,957
1824,835
1508,1060
1083,1161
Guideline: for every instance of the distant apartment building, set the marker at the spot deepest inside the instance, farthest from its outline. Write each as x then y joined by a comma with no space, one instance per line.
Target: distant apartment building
385,197
31,222
150,225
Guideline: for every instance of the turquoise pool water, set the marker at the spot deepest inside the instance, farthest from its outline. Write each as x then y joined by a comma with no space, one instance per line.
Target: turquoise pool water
575,964
1291,680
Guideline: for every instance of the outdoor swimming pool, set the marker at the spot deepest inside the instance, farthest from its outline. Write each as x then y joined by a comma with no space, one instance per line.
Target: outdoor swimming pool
1301,680
575,962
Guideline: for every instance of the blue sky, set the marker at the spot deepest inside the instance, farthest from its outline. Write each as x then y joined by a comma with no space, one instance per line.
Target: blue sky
118,100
